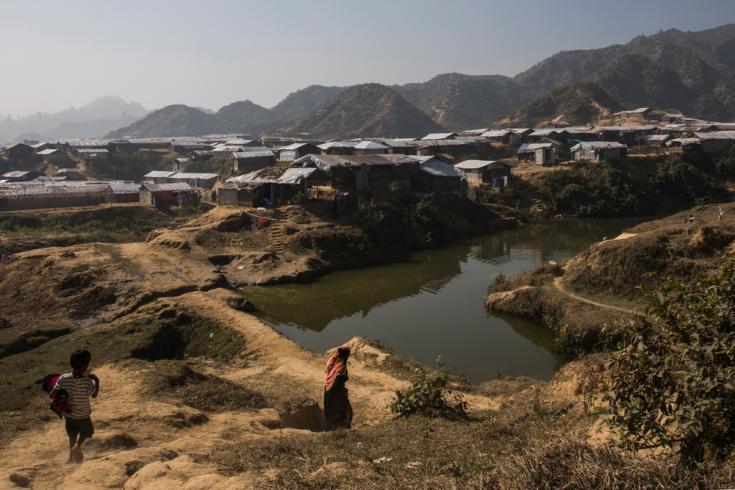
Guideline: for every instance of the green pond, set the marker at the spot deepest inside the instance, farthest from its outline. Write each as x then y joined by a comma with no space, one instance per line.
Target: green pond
433,306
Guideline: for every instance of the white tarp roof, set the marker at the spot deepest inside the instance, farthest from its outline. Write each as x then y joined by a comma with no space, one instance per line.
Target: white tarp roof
598,144
292,175
370,145
439,136
438,167
476,164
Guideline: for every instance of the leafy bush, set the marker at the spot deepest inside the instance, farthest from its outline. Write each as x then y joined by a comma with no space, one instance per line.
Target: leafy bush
499,284
725,165
429,396
611,193
680,181
673,385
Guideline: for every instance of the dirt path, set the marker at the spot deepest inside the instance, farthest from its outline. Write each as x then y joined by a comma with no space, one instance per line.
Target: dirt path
560,287
176,455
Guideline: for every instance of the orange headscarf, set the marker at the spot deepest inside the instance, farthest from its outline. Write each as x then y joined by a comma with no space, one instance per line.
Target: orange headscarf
336,366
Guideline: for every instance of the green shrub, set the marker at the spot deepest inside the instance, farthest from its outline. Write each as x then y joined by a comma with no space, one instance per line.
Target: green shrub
674,382
611,193
725,165
499,284
680,181
430,396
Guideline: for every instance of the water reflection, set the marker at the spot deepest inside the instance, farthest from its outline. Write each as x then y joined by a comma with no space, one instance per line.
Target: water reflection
433,305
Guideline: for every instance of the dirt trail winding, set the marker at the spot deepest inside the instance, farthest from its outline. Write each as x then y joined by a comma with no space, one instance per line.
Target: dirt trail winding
559,286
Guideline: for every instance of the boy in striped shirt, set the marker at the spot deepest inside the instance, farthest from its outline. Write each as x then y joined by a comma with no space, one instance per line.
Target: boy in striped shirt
80,386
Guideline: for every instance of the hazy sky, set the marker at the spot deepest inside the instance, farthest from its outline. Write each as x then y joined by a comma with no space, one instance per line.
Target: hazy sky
57,54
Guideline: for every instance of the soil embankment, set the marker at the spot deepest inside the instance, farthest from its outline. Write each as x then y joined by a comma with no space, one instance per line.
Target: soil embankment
599,289
26,230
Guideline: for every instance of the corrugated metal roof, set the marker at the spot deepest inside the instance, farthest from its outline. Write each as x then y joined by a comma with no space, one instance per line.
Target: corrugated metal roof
531,147
48,151
547,131
193,175
167,187
227,148
291,175
337,144
370,145
624,129
325,162
474,132
241,155
294,146
496,133
400,143
122,187
657,137
439,136
20,192
439,143
158,174
16,174
238,142
477,164
598,145
716,135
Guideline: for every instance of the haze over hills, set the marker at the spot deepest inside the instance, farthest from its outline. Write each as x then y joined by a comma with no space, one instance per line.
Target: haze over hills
91,120
692,72
363,110
239,117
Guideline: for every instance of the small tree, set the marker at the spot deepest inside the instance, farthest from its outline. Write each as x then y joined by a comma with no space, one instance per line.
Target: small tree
673,385
429,395
725,165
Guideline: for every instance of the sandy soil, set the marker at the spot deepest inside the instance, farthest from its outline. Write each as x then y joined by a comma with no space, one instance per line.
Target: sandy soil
171,456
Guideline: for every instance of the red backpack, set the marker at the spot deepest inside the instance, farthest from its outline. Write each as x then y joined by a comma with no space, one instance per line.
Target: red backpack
60,404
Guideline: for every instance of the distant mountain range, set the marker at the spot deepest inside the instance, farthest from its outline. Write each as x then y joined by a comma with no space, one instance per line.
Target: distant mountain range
95,119
691,72
363,110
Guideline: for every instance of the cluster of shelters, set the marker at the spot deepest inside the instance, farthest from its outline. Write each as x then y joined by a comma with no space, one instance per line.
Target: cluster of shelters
376,175
37,194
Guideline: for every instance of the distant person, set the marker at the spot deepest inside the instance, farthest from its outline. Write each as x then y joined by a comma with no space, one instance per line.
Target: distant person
720,214
337,408
78,386
214,196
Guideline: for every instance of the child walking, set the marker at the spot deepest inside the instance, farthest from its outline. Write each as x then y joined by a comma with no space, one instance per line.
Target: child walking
79,385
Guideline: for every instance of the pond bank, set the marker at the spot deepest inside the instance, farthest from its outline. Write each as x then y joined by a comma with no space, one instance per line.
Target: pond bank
432,305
